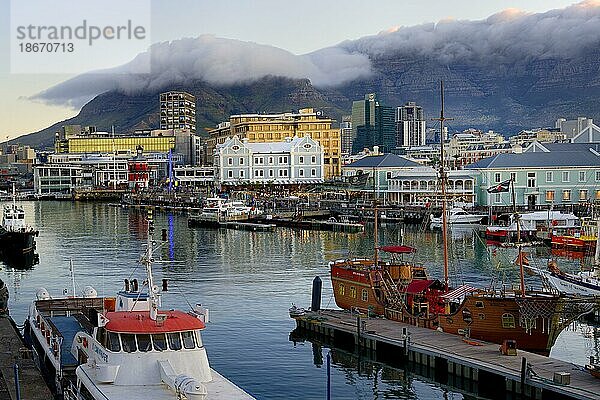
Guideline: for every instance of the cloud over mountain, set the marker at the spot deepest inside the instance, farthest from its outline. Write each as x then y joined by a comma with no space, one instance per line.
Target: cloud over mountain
509,37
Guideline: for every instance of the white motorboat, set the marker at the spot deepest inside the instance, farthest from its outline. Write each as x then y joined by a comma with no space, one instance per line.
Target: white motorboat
585,283
109,348
218,211
456,216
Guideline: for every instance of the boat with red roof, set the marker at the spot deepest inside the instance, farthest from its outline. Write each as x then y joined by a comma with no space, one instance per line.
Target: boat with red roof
124,347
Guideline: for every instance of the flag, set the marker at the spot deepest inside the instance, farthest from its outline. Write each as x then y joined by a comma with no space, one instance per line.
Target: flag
500,187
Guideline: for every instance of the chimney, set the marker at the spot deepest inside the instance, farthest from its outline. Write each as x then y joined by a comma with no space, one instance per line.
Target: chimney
245,140
376,150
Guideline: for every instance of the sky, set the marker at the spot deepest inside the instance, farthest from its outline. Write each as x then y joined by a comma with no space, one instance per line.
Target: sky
298,27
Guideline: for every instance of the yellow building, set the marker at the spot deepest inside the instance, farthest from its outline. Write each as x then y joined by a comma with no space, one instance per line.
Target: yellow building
120,144
276,127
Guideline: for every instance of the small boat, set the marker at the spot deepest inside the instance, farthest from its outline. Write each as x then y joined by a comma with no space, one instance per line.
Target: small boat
219,211
296,311
124,347
509,233
16,237
457,216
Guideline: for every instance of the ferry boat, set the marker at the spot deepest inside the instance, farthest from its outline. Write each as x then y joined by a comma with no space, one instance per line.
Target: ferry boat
17,239
403,291
124,347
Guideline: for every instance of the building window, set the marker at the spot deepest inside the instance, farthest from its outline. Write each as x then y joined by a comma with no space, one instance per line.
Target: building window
598,175
549,195
301,159
497,177
313,160
230,161
313,172
583,194
549,176
256,173
498,198
301,172
230,174
352,292
271,173
365,295
531,179
241,161
270,160
567,195
581,176
508,320
241,173
565,176
597,194
513,177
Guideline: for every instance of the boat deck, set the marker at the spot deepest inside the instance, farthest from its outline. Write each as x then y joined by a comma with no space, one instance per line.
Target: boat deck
471,359
68,326
218,388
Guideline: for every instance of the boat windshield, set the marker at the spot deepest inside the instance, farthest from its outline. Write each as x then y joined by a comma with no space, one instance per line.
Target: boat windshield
160,342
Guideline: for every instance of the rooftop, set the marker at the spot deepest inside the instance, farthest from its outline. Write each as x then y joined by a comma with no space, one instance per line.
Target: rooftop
539,160
383,161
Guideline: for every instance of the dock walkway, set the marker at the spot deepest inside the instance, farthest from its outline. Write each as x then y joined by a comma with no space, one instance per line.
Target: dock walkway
31,382
478,361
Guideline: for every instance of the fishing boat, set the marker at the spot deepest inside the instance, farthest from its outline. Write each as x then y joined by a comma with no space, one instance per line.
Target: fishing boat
403,291
124,347
16,237
456,216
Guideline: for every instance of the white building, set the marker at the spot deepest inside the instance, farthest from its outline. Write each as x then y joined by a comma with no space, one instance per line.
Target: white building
293,161
194,176
57,178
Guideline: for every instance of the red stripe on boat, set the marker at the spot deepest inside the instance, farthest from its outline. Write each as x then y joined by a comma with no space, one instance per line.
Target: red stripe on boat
140,322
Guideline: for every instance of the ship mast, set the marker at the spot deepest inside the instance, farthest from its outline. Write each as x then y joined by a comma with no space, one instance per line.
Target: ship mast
442,119
518,222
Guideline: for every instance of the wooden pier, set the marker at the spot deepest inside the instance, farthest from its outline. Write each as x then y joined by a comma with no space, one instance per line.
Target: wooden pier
14,351
527,375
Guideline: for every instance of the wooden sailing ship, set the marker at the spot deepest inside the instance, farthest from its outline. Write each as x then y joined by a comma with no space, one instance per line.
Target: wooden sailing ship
403,291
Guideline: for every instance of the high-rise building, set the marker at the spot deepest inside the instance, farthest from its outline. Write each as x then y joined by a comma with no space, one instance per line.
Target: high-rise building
372,125
410,125
346,134
178,111
277,127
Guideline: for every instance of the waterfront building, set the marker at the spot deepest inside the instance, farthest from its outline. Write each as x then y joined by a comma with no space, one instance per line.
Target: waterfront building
346,135
372,125
419,186
410,125
424,155
290,162
194,176
178,111
259,128
103,142
544,174
379,168
57,178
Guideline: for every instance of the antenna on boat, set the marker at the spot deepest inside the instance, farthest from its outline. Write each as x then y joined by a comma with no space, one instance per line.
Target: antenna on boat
518,222
72,272
147,260
441,119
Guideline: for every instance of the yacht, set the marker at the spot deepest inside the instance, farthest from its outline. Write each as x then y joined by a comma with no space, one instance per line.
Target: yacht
456,216
219,211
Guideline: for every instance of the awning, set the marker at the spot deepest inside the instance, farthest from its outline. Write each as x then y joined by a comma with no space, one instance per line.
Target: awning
398,249
418,286
459,292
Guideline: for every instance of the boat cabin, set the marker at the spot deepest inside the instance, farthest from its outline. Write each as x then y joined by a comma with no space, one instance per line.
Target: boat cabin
13,219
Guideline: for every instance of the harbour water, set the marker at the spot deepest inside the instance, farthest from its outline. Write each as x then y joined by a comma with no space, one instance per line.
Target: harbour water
248,280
